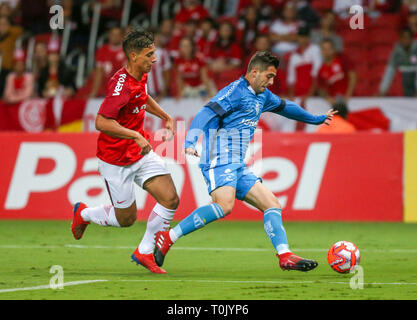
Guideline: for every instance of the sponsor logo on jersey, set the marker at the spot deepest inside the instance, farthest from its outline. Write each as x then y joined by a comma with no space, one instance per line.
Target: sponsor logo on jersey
137,109
249,122
231,89
119,85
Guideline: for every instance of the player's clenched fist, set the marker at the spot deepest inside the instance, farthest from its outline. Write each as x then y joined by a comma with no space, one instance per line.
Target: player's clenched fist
170,131
143,144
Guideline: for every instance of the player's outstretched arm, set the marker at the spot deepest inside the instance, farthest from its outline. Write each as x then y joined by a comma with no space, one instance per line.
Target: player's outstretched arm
293,111
203,120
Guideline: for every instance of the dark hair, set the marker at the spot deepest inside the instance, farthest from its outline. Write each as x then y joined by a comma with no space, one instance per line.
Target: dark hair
137,40
116,27
327,12
406,30
191,21
193,47
209,20
341,108
232,36
329,40
304,31
261,35
262,60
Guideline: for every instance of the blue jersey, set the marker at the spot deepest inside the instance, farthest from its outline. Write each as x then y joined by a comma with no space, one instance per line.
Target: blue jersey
229,120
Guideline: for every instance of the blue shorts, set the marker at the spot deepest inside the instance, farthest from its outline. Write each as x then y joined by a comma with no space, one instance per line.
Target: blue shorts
238,177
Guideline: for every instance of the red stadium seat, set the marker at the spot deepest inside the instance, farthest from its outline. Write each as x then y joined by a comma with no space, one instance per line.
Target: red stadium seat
387,21
45,37
383,36
378,70
362,88
381,53
357,54
374,76
224,78
373,88
369,78
342,25
362,70
396,88
322,5
355,37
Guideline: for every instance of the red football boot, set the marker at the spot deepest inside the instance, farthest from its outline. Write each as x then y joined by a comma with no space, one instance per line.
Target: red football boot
163,243
78,224
146,260
289,261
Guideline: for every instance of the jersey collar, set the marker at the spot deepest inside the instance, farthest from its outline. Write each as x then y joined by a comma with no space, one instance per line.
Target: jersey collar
249,86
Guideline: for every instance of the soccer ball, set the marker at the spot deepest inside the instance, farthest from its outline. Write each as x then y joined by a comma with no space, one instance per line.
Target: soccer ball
343,256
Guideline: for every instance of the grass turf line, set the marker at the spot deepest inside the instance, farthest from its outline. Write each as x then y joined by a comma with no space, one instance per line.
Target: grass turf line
387,258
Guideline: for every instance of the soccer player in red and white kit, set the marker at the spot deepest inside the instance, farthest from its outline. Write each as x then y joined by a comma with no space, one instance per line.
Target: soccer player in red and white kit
336,78
125,155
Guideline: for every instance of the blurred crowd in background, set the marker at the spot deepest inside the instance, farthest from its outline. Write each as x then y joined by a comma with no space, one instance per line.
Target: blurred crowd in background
204,45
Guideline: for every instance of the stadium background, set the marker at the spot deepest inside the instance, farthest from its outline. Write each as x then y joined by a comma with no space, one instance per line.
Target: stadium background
362,170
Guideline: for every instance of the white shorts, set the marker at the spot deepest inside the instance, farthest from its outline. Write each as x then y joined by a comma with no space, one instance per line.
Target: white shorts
119,179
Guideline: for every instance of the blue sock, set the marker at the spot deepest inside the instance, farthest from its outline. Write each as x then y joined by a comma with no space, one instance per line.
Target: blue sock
198,219
275,230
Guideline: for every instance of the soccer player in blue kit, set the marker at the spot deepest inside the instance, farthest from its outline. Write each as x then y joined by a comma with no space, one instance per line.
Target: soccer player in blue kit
228,123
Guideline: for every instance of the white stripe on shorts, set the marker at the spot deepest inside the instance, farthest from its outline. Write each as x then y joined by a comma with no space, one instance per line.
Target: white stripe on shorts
211,174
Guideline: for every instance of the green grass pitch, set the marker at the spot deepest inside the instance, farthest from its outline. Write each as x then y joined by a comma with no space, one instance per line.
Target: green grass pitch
225,260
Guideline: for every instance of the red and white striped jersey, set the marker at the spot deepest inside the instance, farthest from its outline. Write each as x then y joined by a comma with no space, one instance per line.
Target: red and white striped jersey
303,67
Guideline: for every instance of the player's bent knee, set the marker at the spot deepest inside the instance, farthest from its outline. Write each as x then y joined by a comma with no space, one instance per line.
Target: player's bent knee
271,206
226,207
271,203
275,204
173,203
